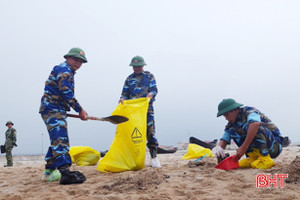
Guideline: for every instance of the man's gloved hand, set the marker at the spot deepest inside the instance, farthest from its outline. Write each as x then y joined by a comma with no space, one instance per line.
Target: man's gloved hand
15,145
219,151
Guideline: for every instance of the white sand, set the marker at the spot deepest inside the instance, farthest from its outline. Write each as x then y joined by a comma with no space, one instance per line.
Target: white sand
175,180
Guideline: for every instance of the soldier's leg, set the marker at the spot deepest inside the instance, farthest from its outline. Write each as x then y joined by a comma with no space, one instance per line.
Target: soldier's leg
9,158
266,143
58,153
152,143
258,154
266,147
275,147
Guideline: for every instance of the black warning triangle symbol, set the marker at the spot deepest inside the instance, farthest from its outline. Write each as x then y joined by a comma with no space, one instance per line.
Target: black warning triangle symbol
136,134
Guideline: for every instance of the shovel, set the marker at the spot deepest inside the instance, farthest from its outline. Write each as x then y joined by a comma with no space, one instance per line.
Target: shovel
115,119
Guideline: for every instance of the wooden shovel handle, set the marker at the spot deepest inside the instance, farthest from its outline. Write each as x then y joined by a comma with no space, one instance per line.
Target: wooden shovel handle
89,117
115,119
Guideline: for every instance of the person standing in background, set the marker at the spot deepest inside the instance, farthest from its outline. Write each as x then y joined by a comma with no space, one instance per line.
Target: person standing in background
10,142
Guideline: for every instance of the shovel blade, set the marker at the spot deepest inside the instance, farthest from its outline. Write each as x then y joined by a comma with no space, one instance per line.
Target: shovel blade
115,119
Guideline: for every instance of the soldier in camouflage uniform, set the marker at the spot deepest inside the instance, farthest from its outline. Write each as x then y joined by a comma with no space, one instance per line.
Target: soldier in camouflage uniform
253,132
10,142
142,84
57,99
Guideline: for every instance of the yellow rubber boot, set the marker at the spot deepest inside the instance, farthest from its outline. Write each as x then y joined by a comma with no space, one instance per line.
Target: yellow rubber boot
246,163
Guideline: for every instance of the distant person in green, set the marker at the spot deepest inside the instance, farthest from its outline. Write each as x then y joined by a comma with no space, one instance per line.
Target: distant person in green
10,142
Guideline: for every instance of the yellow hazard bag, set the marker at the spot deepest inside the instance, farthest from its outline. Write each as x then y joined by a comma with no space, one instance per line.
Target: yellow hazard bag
262,162
84,155
128,150
196,151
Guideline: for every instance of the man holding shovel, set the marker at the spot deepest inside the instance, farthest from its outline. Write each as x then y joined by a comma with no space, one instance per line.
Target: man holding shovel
57,99
253,132
143,84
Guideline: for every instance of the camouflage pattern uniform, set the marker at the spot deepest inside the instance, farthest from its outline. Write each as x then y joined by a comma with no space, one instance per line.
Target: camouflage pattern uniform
137,86
268,139
57,99
11,139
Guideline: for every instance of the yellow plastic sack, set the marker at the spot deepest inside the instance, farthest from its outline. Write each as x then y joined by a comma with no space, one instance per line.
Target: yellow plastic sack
263,162
84,155
128,150
257,161
246,163
196,151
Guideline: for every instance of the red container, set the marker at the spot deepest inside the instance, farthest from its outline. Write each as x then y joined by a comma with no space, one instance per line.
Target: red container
228,164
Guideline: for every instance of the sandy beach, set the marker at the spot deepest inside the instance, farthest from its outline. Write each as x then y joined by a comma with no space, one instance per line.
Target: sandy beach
177,179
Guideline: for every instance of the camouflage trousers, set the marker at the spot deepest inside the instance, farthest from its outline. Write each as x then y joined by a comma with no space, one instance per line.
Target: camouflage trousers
9,157
58,156
152,143
264,141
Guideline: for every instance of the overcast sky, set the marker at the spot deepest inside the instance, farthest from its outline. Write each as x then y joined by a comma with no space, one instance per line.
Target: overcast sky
200,52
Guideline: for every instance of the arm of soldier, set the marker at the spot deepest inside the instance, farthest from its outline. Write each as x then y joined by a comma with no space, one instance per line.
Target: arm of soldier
14,136
251,133
223,144
254,120
66,87
152,88
125,92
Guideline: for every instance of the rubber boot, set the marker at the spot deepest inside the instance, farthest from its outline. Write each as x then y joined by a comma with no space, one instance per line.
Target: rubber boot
46,174
155,163
51,175
54,176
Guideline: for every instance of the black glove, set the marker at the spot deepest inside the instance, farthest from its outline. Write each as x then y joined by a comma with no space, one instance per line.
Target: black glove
15,145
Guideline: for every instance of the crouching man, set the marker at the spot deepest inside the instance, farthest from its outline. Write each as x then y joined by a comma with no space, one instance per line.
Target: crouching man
253,132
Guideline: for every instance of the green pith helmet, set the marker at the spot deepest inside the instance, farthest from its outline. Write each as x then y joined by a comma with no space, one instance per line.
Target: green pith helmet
227,105
78,53
9,122
137,61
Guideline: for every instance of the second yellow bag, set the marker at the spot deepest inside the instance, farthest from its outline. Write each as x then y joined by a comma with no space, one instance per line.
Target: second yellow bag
128,150
196,151
84,155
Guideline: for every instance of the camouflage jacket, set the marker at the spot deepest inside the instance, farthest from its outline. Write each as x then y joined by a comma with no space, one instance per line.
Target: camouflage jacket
59,90
246,116
11,137
139,85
